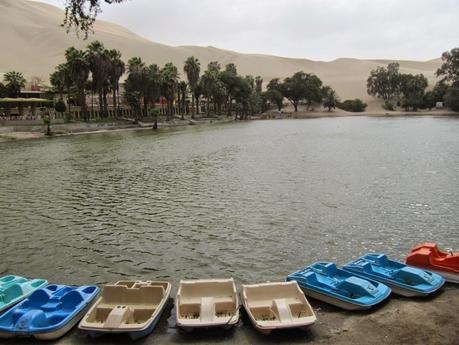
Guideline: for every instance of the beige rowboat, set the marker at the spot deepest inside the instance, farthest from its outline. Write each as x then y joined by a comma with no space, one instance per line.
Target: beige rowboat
277,305
207,303
132,307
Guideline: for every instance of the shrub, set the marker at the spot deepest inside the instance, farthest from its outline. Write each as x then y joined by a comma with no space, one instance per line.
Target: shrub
452,98
388,106
354,105
60,106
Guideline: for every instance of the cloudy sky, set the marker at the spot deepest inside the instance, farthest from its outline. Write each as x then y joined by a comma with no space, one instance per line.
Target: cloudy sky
315,29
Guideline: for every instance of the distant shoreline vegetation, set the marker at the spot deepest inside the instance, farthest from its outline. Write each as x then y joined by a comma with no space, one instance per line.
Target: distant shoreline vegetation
151,91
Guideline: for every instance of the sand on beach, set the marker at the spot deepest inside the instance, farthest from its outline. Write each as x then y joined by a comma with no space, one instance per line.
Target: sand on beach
34,43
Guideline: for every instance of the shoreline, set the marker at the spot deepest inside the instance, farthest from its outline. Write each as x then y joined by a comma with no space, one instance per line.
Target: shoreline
27,132
21,132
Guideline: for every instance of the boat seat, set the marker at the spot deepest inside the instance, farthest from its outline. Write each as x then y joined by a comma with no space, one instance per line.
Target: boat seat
311,278
72,299
366,267
283,309
51,306
207,309
118,316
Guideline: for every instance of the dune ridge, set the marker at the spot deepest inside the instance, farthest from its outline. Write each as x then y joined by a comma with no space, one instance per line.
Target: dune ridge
33,42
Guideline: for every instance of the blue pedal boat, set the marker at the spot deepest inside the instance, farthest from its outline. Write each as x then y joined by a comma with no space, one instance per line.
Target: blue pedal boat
14,289
402,279
325,282
48,313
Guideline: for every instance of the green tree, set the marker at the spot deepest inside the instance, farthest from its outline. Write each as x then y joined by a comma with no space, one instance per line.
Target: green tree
274,93
60,79
82,14
313,90
138,86
452,98
78,71
428,101
169,81
192,69
302,86
230,79
100,66
384,82
439,91
182,91
449,69
209,82
330,98
412,89
14,81
3,91
153,83
116,70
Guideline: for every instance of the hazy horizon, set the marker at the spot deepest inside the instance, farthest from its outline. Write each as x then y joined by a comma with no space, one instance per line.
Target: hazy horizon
318,30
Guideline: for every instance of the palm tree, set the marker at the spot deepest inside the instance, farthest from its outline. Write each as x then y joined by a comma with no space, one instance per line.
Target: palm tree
229,78
169,80
117,69
153,75
136,82
14,81
182,91
99,65
59,79
192,68
78,69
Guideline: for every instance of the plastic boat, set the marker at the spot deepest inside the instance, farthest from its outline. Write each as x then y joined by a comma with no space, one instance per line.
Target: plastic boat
48,313
429,257
402,279
129,307
325,282
14,289
273,306
207,303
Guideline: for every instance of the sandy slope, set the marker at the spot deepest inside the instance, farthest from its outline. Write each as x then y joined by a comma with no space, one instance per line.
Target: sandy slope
33,42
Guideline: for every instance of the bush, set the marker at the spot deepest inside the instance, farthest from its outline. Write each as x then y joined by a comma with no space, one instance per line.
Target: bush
354,105
388,106
452,98
60,106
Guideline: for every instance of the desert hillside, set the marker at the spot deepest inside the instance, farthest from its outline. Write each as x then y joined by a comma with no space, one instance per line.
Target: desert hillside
33,42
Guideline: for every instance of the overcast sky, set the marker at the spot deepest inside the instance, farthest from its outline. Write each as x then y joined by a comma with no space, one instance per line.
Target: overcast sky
314,29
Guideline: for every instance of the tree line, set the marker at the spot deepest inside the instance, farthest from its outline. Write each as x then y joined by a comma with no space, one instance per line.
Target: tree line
99,70
409,91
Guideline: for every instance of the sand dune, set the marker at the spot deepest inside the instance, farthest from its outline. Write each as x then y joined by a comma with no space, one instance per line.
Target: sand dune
33,42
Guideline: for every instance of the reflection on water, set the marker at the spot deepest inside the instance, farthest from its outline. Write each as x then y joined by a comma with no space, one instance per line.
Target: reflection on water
252,200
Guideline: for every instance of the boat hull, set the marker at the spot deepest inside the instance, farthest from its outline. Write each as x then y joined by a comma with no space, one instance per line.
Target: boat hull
334,301
449,277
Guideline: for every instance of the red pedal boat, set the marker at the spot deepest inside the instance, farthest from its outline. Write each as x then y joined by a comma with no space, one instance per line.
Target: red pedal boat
429,257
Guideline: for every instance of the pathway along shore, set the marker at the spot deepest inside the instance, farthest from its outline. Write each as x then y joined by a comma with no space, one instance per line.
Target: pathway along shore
398,321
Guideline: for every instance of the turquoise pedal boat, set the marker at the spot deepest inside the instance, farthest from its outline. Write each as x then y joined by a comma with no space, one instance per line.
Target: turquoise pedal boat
14,289
404,280
328,283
